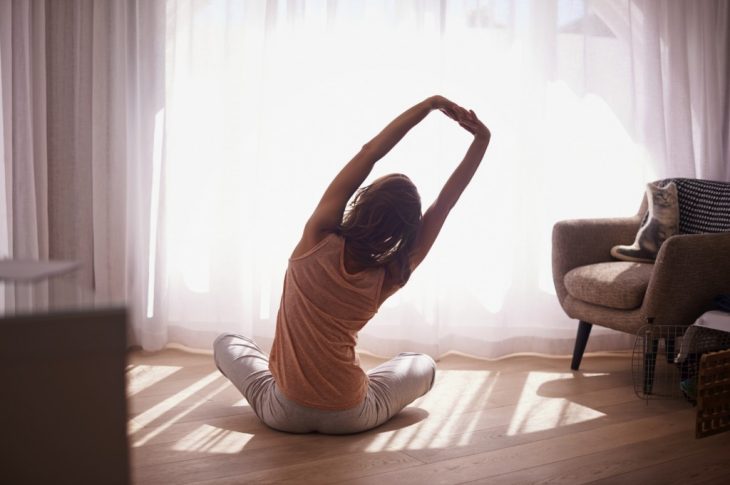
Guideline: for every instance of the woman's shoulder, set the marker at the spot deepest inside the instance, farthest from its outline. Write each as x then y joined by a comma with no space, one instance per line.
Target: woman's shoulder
309,245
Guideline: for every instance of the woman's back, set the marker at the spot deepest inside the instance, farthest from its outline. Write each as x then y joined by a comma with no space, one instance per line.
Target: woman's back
322,308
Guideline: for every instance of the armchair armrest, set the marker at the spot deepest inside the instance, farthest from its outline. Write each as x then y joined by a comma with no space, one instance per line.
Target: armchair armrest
690,270
579,242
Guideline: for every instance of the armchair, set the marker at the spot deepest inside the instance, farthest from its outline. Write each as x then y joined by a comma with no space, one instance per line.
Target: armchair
689,271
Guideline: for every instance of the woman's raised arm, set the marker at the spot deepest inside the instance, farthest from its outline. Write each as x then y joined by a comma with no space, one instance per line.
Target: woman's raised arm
328,213
435,216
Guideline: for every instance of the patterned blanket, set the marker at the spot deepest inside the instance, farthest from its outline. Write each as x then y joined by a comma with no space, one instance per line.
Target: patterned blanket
704,205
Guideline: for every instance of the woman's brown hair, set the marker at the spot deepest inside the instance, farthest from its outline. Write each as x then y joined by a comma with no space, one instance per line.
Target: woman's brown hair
381,225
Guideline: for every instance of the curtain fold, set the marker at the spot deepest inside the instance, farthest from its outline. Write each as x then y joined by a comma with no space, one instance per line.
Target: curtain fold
24,136
82,84
67,31
176,147
127,79
680,74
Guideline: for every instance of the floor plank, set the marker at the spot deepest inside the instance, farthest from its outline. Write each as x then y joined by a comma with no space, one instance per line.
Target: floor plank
607,464
711,464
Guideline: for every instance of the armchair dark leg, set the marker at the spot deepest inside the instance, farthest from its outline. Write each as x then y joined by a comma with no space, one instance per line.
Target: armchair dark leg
581,339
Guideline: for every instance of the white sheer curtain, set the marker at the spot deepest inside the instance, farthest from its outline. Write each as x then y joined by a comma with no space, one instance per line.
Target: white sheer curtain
267,100
187,198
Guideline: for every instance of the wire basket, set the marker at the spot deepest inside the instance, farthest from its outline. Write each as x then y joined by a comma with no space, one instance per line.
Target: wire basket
666,359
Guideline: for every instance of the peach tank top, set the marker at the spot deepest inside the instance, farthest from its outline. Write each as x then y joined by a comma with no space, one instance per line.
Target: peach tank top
322,308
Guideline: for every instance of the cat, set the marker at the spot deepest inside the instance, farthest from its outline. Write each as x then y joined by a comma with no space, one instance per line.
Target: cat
661,223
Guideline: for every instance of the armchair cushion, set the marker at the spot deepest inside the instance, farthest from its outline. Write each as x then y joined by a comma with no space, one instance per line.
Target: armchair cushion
580,242
620,285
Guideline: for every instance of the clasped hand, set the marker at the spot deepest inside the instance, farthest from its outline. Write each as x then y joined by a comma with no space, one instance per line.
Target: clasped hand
467,119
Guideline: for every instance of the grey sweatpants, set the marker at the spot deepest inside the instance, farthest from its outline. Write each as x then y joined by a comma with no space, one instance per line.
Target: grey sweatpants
392,386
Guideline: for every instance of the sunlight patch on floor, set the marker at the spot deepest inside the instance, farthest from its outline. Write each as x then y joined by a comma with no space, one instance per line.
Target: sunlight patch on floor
145,418
468,410
140,377
464,388
470,391
472,424
209,439
536,413
162,428
472,387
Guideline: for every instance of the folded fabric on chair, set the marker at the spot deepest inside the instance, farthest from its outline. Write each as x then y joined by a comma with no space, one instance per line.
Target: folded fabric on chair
704,205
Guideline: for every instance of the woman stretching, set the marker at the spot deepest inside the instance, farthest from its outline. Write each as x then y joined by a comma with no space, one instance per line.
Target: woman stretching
347,263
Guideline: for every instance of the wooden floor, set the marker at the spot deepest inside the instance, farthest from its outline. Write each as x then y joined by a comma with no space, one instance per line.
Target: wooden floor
517,420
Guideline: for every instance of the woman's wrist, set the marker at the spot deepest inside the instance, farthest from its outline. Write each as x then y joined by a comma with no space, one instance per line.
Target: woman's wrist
482,137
